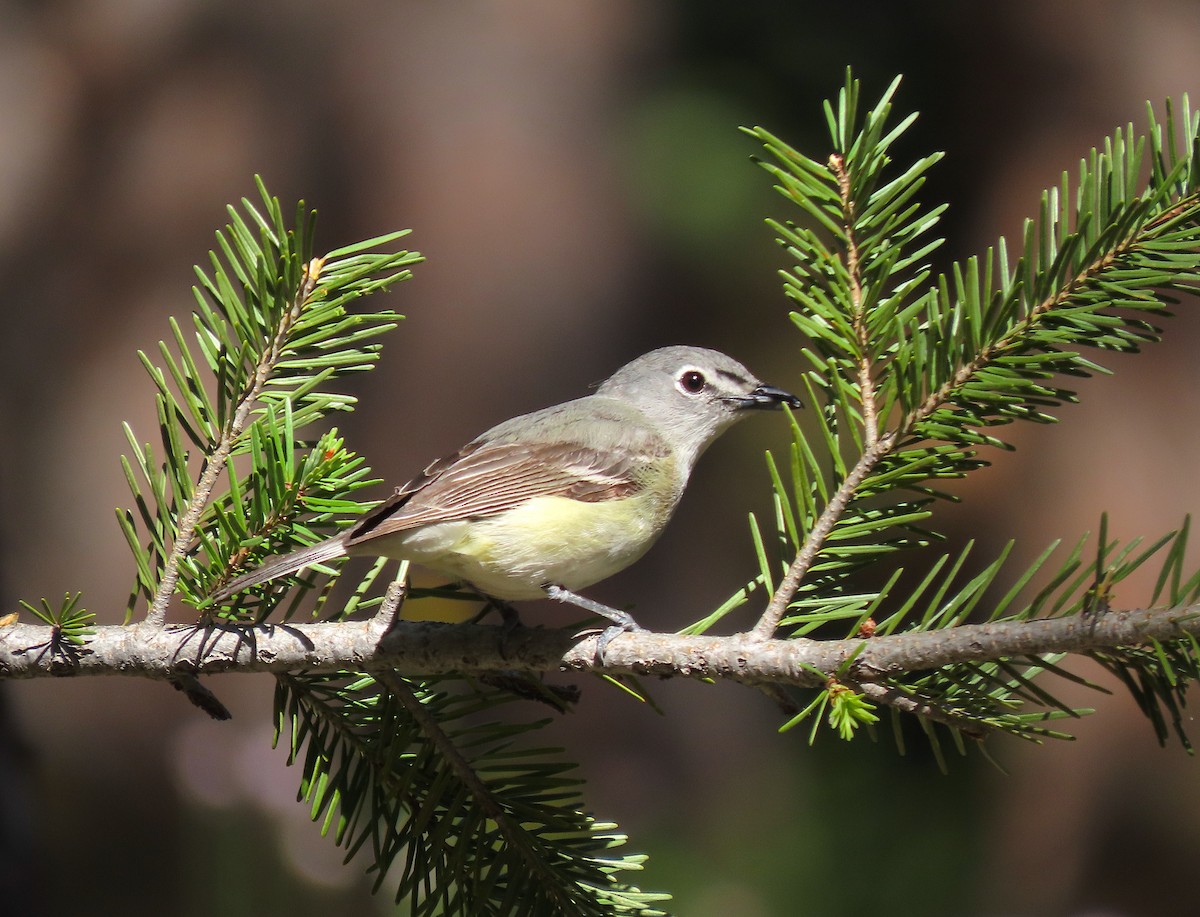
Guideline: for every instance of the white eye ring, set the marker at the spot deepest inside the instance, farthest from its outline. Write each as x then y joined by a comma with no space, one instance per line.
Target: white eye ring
692,382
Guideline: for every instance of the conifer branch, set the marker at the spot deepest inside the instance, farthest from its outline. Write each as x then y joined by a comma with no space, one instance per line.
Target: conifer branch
977,349
218,459
481,794
427,648
878,448
1015,335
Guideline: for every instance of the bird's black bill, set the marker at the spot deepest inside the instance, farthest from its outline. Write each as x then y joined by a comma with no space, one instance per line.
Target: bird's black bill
768,396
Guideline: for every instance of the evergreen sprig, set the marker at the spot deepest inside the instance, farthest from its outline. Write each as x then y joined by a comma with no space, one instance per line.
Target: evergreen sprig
912,371
273,328
70,624
426,781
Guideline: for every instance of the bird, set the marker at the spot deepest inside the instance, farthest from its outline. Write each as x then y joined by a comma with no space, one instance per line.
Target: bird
551,502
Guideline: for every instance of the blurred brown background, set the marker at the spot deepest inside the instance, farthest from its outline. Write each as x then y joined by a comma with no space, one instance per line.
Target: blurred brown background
574,175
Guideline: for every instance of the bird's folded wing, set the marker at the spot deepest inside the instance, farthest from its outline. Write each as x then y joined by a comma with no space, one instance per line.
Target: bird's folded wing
484,479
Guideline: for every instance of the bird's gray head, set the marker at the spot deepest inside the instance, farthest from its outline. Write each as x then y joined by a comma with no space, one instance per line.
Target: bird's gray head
691,394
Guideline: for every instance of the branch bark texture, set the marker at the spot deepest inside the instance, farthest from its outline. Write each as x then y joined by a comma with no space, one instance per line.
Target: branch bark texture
415,649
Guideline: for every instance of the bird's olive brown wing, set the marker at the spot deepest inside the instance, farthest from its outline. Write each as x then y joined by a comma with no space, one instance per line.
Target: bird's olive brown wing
484,479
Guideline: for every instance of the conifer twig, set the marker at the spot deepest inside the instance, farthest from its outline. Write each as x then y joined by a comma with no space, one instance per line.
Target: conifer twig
482,796
866,384
219,457
815,539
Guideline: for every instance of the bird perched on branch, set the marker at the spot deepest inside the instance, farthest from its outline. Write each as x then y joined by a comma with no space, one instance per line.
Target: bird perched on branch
551,502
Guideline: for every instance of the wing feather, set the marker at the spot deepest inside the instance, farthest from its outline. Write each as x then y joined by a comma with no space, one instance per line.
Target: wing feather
488,478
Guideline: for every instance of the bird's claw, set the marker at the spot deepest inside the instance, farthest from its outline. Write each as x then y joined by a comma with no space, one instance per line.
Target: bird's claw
608,634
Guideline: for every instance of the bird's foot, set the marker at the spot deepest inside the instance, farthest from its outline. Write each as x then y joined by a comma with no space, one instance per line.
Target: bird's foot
622,621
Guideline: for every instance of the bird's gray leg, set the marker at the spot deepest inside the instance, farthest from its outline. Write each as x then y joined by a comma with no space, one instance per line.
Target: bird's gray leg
622,620
508,614
510,620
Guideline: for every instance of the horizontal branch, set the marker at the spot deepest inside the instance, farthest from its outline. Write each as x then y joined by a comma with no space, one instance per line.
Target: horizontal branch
426,648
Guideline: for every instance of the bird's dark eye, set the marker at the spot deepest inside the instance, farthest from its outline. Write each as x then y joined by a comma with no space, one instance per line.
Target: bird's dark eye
692,381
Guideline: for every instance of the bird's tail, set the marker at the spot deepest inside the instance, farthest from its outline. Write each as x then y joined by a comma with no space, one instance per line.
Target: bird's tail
287,564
